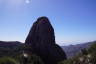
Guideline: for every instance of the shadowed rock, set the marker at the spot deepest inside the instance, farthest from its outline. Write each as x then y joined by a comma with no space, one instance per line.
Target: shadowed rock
41,39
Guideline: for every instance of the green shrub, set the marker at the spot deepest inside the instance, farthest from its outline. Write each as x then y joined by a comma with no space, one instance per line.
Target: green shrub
31,59
69,61
34,59
8,60
92,49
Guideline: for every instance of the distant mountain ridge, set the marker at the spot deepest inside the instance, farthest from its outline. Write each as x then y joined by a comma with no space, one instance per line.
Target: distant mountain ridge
73,50
9,43
10,48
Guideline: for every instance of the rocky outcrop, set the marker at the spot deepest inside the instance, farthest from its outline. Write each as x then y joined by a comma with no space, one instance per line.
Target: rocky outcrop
41,39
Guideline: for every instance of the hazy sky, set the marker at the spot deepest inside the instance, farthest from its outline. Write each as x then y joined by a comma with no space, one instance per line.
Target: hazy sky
73,20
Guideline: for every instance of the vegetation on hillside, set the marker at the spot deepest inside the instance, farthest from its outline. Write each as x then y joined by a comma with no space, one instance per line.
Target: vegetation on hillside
16,56
87,56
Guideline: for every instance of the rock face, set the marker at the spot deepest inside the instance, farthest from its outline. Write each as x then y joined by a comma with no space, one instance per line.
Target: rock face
41,39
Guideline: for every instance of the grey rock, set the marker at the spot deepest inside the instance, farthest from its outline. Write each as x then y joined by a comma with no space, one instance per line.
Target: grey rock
41,39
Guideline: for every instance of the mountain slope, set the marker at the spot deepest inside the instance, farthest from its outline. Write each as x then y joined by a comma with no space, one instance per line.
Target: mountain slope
10,48
73,50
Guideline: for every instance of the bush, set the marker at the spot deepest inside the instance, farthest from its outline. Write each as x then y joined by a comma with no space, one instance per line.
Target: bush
31,59
92,52
34,59
7,60
69,61
92,49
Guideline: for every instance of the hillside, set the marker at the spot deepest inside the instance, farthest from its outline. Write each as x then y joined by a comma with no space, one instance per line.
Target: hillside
9,43
10,48
73,50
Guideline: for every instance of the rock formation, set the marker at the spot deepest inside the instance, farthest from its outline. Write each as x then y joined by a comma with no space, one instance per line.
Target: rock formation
41,39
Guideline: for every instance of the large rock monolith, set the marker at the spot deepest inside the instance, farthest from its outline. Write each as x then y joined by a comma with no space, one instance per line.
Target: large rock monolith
41,39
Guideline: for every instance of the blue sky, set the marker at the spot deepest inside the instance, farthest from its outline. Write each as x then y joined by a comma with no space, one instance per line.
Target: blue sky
74,21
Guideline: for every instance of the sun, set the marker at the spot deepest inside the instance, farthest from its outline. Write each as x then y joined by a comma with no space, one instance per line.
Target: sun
27,1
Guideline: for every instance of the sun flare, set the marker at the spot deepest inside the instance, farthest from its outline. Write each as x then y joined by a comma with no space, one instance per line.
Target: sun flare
27,1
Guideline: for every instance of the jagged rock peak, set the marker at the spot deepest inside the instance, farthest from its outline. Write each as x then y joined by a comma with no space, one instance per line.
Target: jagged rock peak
41,32
41,39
